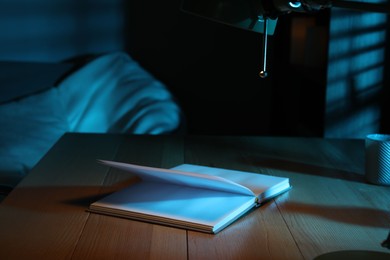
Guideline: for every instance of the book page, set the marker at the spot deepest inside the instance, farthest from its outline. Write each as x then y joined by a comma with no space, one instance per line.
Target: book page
191,179
189,196
263,186
176,205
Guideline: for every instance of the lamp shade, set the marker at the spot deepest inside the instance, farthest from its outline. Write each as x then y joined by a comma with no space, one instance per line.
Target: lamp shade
244,14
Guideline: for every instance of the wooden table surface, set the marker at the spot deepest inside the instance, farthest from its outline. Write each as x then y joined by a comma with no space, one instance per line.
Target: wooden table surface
330,207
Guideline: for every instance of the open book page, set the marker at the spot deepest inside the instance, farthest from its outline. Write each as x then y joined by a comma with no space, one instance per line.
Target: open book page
192,179
263,186
182,206
189,196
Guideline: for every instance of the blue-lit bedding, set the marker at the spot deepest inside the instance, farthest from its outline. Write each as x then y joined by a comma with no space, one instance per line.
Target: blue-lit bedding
110,94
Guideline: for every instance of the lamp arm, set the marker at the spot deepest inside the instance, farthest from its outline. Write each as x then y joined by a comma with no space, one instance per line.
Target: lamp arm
280,7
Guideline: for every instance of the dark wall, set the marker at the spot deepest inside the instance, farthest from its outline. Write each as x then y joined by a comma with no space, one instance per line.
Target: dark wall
51,31
299,82
213,71
211,68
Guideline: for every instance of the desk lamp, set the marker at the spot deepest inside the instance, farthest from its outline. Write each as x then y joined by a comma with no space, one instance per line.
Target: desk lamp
261,15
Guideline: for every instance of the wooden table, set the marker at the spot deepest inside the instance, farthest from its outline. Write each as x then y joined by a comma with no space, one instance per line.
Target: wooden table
330,207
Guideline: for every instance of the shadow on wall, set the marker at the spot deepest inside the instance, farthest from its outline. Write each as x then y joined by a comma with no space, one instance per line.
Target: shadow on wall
356,73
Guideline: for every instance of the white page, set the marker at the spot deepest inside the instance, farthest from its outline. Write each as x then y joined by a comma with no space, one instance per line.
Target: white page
189,196
173,176
176,203
261,185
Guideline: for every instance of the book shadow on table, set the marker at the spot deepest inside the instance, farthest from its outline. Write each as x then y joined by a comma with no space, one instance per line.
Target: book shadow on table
53,198
91,193
104,191
87,200
305,168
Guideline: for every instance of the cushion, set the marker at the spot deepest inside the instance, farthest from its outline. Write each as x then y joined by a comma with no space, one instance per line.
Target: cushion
110,94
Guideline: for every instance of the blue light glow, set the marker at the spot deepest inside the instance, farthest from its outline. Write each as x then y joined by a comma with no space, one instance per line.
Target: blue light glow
369,40
355,73
369,79
295,4
367,120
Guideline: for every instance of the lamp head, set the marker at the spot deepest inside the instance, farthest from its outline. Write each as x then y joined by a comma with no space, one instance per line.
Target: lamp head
249,14
261,15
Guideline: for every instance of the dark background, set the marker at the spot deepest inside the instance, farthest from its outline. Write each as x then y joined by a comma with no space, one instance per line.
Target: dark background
212,69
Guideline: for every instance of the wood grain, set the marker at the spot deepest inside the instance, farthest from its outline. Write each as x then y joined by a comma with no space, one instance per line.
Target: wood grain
44,216
110,237
330,208
261,234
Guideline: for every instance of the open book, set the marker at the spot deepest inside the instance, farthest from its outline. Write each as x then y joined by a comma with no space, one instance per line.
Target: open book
189,196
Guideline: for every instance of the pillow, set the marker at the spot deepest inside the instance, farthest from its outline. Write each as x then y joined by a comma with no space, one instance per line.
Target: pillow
113,94
110,94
